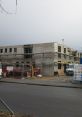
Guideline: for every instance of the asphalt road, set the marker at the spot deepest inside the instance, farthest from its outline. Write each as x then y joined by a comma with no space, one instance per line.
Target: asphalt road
42,101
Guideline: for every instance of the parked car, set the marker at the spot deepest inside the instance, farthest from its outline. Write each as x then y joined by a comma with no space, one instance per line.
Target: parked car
70,70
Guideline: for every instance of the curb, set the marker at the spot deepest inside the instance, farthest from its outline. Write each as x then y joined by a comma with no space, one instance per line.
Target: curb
39,84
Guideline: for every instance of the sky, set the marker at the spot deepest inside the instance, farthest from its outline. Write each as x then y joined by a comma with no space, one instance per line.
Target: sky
40,21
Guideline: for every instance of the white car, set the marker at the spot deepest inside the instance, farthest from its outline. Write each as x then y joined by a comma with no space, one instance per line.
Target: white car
70,70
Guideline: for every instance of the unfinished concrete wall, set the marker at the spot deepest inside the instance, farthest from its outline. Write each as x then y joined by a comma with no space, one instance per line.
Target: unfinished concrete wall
43,48
44,58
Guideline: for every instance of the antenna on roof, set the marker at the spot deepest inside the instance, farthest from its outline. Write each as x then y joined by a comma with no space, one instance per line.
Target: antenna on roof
4,10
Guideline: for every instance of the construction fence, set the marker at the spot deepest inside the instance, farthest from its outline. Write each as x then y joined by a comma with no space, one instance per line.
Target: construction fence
19,71
29,64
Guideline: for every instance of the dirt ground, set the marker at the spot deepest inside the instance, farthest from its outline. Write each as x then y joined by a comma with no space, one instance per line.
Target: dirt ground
2,114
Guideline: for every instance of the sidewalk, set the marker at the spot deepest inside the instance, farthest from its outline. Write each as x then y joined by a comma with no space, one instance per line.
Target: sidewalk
63,81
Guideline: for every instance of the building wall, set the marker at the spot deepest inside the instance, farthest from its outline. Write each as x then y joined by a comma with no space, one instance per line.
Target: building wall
11,57
50,65
44,56
19,49
63,57
43,48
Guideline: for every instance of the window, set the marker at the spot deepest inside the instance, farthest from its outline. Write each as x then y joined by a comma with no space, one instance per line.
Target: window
1,50
10,49
69,50
17,64
70,57
59,55
59,65
59,48
64,50
15,49
5,50
22,62
28,52
28,56
64,56
80,55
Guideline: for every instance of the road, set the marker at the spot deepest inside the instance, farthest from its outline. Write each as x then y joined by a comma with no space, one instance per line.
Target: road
42,101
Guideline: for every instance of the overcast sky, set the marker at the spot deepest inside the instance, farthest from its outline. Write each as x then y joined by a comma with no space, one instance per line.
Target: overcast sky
41,21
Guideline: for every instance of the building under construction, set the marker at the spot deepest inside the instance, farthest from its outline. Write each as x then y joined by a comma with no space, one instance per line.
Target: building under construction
49,58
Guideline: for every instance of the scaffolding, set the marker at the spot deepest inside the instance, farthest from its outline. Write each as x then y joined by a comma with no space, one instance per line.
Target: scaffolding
46,62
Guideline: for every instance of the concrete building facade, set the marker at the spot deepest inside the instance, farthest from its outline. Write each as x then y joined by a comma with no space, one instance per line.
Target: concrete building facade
11,54
49,57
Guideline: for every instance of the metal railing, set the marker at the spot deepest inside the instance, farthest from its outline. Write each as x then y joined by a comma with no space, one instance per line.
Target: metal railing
5,108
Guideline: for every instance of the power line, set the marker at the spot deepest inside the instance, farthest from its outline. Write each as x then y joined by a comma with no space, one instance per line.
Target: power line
5,11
